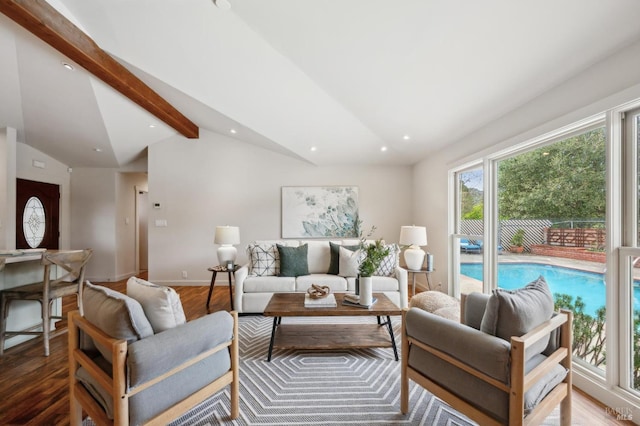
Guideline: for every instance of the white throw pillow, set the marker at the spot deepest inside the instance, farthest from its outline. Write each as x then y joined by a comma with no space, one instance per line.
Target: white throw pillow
264,260
161,304
349,262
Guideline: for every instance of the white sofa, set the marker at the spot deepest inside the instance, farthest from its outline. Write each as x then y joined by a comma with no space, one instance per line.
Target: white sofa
254,286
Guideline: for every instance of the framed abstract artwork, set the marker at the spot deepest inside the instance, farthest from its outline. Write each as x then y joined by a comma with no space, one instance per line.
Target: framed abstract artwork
320,212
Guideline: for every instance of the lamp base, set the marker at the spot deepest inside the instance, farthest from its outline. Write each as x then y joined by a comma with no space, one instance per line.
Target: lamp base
414,258
227,253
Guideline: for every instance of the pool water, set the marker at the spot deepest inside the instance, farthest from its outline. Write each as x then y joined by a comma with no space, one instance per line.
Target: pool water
589,285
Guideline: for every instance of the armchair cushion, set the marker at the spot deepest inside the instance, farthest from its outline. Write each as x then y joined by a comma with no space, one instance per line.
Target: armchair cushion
474,307
516,312
158,354
479,350
293,260
95,388
542,387
161,304
118,315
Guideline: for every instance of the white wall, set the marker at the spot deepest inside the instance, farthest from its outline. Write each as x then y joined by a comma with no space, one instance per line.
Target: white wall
125,220
216,180
609,83
8,188
53,172
93,213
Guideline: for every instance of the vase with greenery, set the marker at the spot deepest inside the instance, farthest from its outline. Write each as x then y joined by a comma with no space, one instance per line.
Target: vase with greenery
372,256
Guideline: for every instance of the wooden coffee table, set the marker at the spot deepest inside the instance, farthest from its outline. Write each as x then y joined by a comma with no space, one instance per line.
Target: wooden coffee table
330,336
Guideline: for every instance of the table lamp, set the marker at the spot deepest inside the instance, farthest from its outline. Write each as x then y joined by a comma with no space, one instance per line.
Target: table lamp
227,237
414,237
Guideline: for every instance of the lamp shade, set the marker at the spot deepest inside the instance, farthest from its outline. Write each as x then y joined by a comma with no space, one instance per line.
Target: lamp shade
227,235
413,236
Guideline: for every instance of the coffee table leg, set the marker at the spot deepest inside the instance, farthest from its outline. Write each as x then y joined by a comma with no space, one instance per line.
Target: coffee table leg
393,339
276,322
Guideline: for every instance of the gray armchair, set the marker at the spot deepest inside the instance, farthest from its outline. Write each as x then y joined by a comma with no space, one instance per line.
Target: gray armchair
122,373
488,378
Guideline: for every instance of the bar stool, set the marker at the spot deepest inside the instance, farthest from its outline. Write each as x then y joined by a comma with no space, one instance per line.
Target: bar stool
74,263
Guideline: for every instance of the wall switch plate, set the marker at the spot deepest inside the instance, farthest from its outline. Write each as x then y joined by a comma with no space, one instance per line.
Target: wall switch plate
161,223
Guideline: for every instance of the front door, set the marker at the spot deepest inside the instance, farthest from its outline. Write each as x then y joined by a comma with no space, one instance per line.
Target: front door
37,211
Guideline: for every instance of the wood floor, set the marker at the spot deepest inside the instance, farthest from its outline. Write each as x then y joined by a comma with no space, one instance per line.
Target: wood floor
34,388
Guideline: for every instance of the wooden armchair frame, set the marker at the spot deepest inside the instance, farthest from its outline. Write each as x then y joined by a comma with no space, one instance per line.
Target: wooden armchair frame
520,382
81,399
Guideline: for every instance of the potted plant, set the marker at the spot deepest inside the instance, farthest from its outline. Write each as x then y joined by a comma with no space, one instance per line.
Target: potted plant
517,241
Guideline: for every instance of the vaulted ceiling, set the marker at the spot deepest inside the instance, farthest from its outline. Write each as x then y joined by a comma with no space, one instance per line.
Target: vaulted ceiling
345,78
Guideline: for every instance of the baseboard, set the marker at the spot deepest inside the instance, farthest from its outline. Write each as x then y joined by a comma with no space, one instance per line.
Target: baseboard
187,283
111,279
617,401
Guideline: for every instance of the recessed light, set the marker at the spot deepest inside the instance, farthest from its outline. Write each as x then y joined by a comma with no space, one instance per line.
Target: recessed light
97,149
233,131
314,149
152,126
68,66
383,149
406,137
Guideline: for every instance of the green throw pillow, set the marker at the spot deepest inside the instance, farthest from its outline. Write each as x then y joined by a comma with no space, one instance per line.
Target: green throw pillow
293,261
334,264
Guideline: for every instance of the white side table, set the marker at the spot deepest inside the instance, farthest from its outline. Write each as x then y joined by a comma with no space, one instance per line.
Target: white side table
420,271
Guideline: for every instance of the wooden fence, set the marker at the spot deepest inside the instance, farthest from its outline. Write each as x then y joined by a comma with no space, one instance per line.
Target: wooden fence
576,237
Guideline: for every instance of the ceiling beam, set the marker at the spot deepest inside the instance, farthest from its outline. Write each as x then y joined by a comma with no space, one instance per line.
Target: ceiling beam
38,17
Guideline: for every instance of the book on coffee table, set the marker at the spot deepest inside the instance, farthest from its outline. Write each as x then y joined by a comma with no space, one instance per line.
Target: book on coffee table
325,302
348,302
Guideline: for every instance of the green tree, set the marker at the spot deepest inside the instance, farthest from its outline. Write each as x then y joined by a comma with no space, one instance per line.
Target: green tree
562,180
476,212
471,199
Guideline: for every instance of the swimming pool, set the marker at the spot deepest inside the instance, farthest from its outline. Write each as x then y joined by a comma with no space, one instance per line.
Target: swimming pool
589,285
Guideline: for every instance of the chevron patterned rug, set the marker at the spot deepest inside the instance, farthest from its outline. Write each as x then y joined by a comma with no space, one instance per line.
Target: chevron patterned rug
351,387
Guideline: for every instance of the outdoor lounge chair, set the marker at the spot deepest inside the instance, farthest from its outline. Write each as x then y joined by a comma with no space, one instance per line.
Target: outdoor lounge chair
467,246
